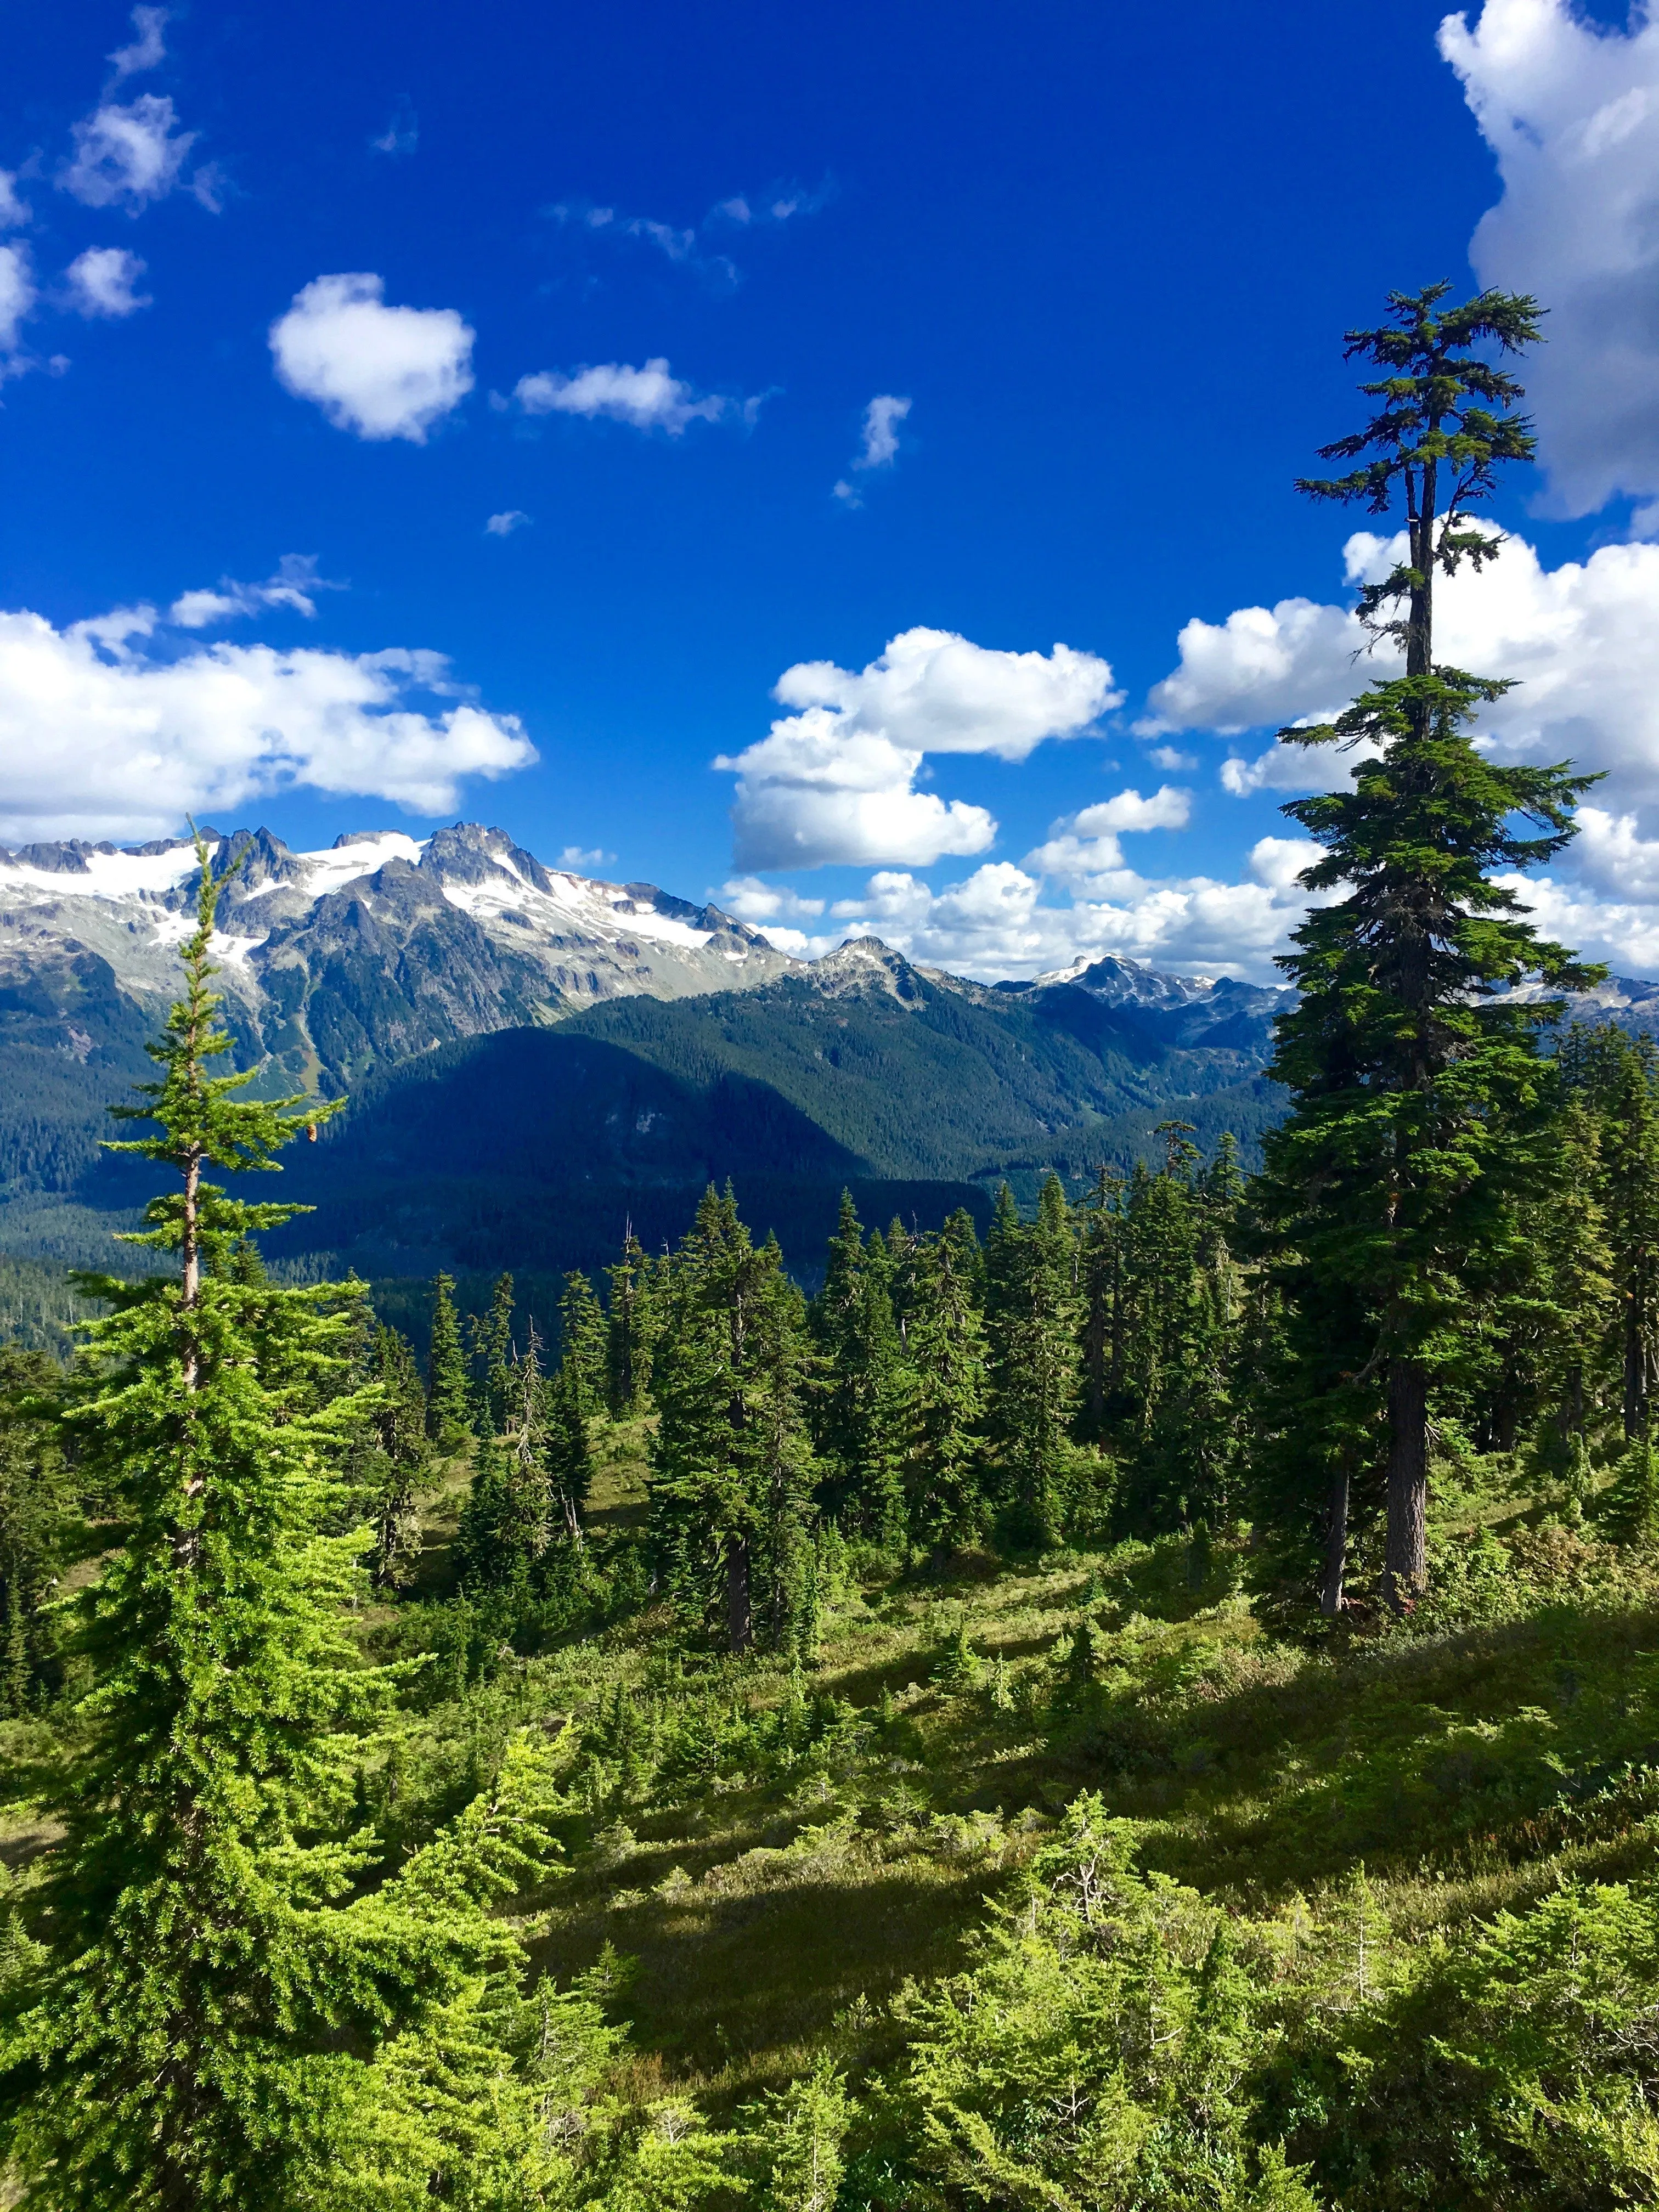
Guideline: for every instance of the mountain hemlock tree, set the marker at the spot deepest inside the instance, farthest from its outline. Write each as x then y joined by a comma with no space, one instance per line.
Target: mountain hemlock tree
584,1344
856,1423
944,1403
1407,1077
731,1463
395,1460
199,2028
630,1330
449,1395
492,1361
1030,1326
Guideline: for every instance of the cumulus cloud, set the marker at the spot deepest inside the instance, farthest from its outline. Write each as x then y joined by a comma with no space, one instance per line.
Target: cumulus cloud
504,525
834,780
103,282
751,900
14,213
1084,851
381,372
880,447
1571,110
998,922
647,398
1582,640
294,586
148,50
17,298
127,157
103,734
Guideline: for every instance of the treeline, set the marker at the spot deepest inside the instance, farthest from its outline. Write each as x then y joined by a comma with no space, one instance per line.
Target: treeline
1130,1365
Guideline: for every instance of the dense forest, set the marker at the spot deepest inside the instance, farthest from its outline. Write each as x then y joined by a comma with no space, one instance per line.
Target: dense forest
1152,1702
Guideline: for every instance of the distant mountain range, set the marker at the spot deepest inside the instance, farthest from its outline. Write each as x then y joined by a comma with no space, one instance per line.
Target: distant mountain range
535,1057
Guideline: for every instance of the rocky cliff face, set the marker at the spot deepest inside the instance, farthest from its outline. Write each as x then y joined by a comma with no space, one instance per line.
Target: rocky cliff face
379,948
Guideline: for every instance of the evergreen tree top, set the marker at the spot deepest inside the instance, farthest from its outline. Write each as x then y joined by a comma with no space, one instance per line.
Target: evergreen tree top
1449,419
201,1121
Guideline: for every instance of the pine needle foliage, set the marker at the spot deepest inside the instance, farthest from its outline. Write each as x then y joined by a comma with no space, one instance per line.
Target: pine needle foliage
198,2027
1413,1085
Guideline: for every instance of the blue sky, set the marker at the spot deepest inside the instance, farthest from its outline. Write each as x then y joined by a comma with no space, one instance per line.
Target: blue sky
1070,280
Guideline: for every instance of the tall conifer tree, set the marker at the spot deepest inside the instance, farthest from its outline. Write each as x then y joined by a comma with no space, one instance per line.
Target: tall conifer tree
200,2027
731,1465
584,1346
1407,1077
630,1330
448,1396
944,1403
1031,1313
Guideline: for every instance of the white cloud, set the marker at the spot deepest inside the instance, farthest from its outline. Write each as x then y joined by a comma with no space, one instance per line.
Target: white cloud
778,203
1171,758
1571,110
1582,641
103,282
996,922
102,736
17,297
751,900
835,779
293,586
682,247
128,156
647,398
1623,933
504,525
1261,666
1084,852
880,447
13,214
148,50
382,372
573,856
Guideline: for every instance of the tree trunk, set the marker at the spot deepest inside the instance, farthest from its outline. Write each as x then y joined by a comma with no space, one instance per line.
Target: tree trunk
1405,1568
739,1624
1336,1545
1419,622
1637,1364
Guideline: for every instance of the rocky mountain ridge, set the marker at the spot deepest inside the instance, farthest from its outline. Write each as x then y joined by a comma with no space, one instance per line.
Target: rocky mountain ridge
381,947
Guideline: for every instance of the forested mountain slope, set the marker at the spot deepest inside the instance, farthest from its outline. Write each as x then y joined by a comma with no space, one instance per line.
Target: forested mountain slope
534,1149
535,1059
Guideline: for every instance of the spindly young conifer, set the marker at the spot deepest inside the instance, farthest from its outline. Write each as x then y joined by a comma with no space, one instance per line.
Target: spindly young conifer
393,1465
1410,1078
584,1347
1031,1319
492,1362
448,1397
944,1403
198,2025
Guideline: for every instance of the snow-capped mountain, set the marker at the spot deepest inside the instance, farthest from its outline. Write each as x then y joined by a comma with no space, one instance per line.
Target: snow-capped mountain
382,946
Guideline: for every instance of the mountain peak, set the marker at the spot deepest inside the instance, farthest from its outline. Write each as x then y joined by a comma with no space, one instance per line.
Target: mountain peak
866,964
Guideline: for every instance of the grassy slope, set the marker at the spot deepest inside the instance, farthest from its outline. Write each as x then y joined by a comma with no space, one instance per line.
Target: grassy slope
776,1903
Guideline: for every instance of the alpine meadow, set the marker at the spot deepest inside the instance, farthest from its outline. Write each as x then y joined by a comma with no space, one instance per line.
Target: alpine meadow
1133,1688
830,1107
